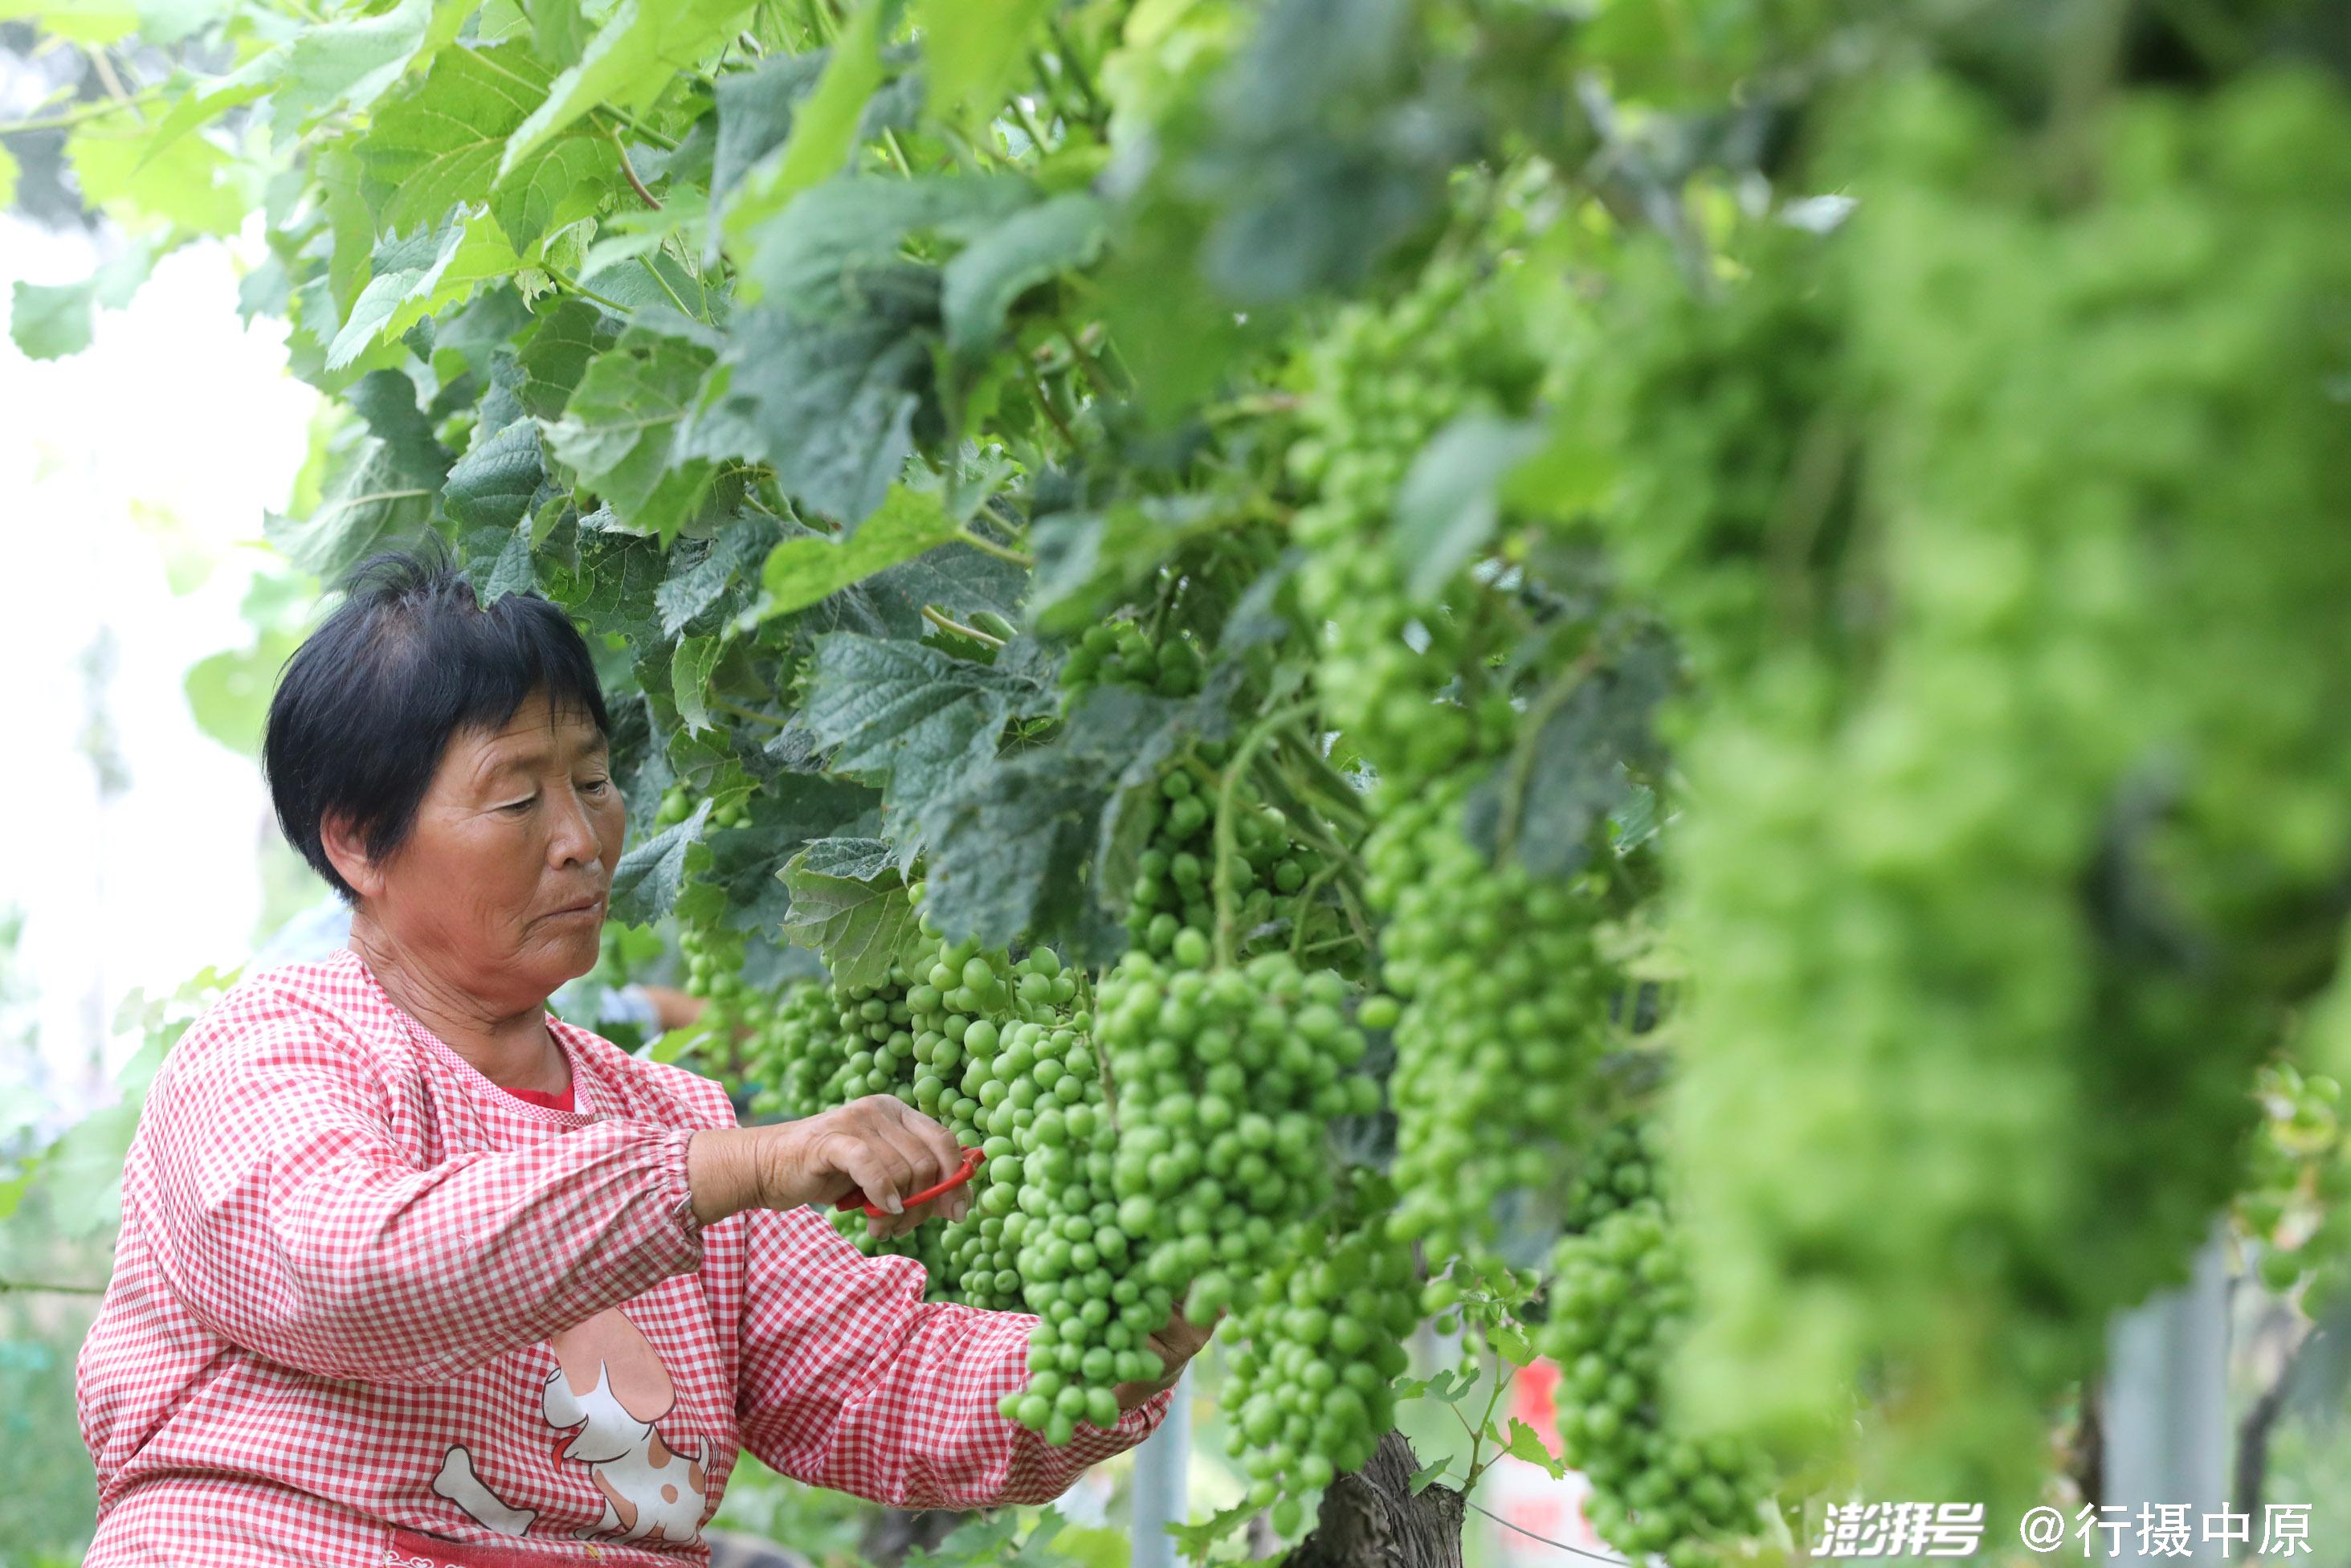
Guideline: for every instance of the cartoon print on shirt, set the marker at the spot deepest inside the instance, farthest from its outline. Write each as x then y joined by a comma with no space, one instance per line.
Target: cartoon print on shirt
609,1383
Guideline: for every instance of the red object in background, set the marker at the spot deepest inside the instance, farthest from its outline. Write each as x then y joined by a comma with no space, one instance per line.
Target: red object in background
971,1159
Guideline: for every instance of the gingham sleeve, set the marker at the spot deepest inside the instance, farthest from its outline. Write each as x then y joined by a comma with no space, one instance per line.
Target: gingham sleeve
287,1217
851,1381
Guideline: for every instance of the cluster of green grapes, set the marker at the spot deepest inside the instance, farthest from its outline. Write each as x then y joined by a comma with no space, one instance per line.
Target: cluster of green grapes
1226,1080
1378,384
714,971
2017,846
1119,653
2297,1181
1500,1007
677,805
1172,910
1619,1300
1318,1347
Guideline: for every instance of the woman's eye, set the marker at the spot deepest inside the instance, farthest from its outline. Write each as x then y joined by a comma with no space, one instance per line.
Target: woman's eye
597,786
517,807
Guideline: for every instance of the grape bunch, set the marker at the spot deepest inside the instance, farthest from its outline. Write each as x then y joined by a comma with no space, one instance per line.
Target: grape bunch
1501,1008
1316,1353
1620,1295
1378,384
1275,881
1119,653
1226,1080
2297,1182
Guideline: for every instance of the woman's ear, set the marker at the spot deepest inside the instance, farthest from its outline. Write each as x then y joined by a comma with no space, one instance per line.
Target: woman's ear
346,853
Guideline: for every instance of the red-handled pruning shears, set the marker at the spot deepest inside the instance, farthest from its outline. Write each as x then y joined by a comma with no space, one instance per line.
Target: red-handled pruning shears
857,1199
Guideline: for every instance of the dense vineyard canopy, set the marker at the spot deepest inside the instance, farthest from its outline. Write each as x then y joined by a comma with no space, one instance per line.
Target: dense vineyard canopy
1665,681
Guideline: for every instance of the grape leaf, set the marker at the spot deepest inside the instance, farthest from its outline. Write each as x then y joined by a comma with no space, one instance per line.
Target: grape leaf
347,63
1427,1476
970,47
696,582
645,883
837,245
642,47
791,811
1568,771
9,170
860,927
824,126
617,429
191,182
419,278
50,320
832,405
801,571
1450,502
441,143
386,490
859,860
755,114
570,334
1512,1345
1527,1444
981,283
497,481
690,678
909,717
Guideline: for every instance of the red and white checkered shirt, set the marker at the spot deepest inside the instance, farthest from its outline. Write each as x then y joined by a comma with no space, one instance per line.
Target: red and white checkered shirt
369,1308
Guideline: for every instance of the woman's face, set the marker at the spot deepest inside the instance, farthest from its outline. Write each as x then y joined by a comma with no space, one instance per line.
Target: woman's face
500,887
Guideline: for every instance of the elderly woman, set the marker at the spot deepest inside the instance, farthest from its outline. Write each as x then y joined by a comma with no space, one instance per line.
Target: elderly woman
413,1273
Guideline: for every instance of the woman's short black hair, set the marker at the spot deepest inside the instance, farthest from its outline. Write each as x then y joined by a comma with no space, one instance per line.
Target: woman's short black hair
366,705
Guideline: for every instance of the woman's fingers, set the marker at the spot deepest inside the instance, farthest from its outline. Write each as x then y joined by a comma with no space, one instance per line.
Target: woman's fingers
937,1138
892,1152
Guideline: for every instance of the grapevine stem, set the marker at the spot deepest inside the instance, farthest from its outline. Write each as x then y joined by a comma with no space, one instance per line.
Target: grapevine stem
1067,57
629,171
897,153
614,306
647,263
105,69
1547,1540
1037,134
94,109
739,711
1086,362
1225,833
1485,1424
1045,401
931,614
987,546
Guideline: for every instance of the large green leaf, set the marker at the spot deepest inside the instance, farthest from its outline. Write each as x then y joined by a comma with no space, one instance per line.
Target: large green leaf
980,285
824,126
642,47
1450,502
494,485
831,404
801,571
1008,850
837,245
618,429
971,47
441,142
50,320
646,882
909,717
191,182
755,114
419,278
860,928
571,333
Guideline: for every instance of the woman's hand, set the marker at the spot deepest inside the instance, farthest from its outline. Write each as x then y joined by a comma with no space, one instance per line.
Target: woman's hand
1177,1344
879,1145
